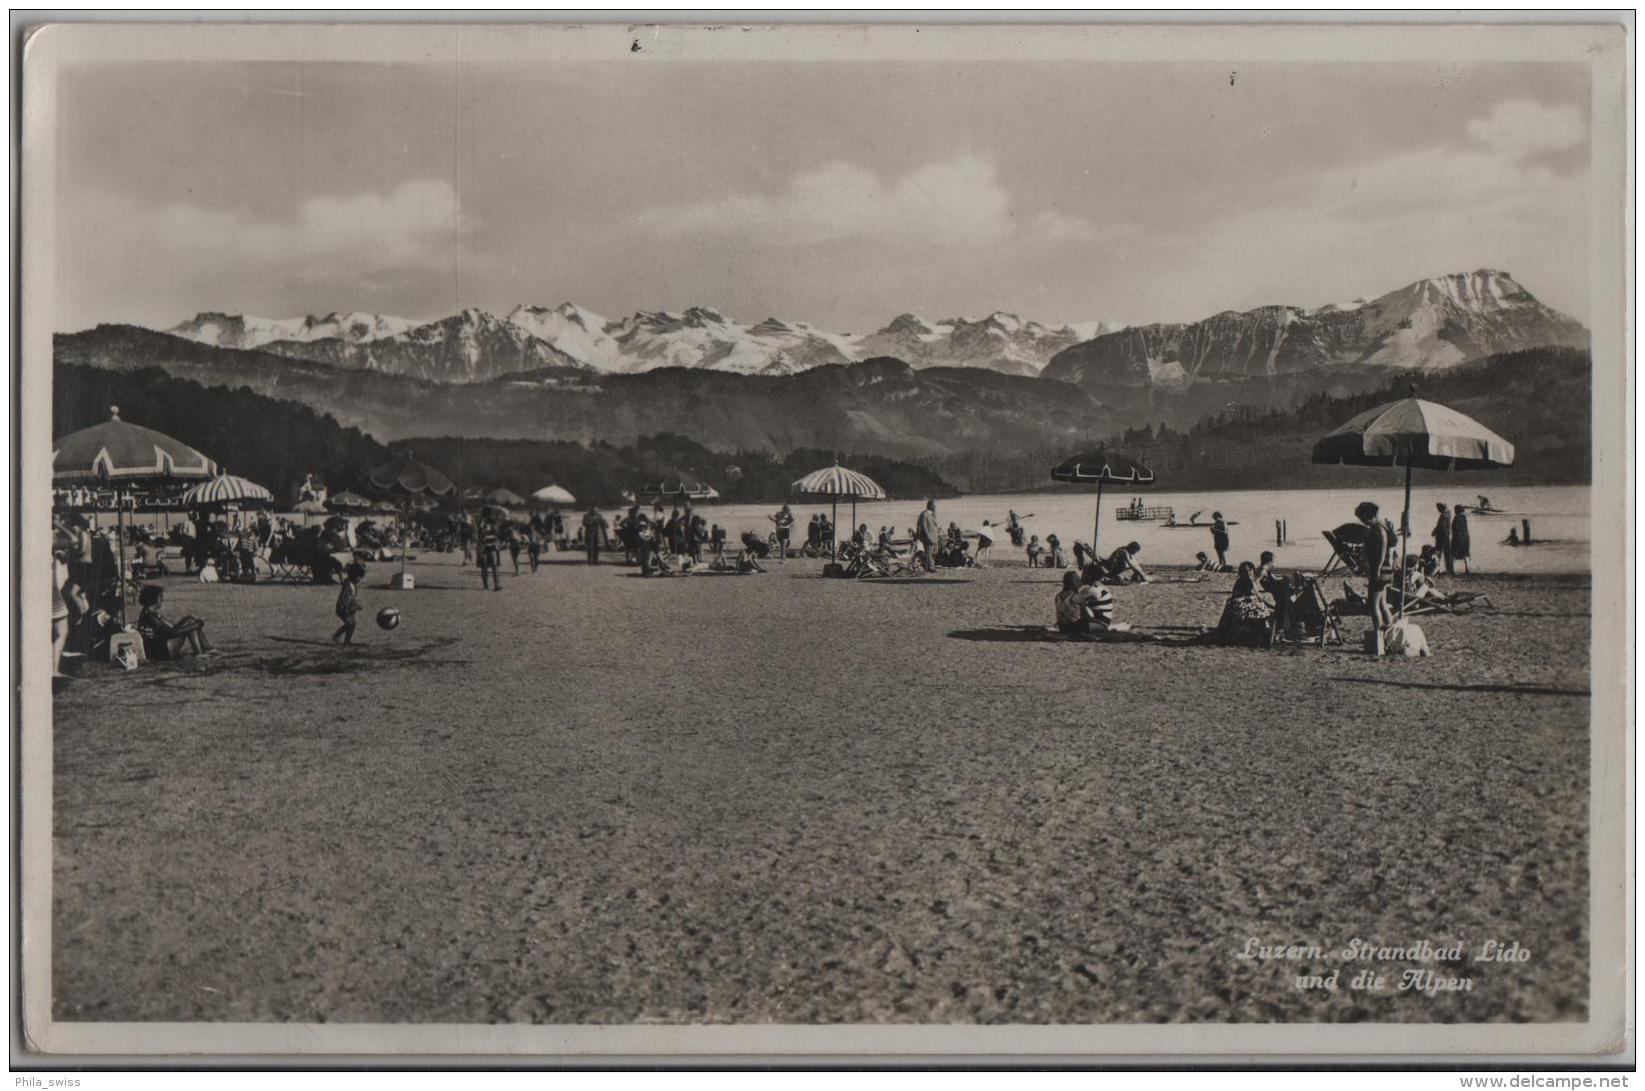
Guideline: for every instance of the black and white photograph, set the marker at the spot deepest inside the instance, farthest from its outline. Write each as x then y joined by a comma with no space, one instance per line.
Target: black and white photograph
857,539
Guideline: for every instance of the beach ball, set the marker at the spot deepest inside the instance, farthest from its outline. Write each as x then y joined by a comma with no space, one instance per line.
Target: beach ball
388,618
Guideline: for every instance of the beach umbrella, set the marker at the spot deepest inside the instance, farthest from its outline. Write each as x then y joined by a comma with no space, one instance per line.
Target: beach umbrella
119,452
834,482
416,482
1415,434
553,494
348,501
410,477
121,455
226,491
504,498
1102,467
306,508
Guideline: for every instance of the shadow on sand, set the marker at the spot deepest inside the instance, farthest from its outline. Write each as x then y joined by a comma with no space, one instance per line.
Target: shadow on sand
1526,690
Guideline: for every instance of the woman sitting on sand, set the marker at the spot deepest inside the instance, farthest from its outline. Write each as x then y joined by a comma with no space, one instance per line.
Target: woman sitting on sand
1083,607
165,639
1246,614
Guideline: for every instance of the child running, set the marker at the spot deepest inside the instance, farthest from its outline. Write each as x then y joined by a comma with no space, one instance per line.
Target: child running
348,603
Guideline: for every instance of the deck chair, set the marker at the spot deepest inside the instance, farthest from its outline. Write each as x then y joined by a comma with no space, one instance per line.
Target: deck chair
1309,616
1347,544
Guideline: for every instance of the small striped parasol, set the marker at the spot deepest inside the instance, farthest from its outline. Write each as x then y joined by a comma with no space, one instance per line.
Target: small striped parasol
226,491
836,481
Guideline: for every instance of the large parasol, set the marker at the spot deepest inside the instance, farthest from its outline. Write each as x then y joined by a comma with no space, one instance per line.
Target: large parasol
412,480
409,477
119,452
504,498
1415,434
834,482
1102,467
122,455
553,494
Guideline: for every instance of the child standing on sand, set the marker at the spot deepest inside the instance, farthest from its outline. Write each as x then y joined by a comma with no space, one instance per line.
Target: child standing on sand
348,603
1034,551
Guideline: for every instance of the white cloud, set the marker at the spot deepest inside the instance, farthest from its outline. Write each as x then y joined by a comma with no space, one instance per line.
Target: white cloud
1520,127
1059,226
412,225
956,201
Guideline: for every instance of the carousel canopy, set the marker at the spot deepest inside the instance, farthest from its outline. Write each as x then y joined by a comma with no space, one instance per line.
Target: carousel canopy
119,451
226,490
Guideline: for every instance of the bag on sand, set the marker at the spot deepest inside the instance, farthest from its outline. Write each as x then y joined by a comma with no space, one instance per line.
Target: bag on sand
208,574
1405,637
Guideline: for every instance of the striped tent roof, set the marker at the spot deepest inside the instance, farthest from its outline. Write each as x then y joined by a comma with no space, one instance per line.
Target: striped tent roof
836,480
1413,432
119,451
225,489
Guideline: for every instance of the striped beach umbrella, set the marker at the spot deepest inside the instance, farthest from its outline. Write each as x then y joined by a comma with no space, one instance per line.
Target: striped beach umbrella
1415,434
227,491
834,482
1102,467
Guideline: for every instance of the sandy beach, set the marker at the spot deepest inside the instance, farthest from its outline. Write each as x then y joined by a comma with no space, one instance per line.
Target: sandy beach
780,798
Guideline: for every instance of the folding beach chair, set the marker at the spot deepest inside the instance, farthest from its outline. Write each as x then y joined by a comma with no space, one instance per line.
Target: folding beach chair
1347,544
1309,616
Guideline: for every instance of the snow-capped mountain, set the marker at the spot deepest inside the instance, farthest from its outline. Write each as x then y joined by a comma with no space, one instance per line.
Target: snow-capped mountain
1432,323
579,333
1002,342
470,346
1429,324
699,337
244,331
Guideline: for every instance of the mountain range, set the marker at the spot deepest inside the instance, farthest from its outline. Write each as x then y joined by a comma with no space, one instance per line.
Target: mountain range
926,389
1429,324
475,345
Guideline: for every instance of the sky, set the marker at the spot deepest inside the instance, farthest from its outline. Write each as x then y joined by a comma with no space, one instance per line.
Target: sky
835,193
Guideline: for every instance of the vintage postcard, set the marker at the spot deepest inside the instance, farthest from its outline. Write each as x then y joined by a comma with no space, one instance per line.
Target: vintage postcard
1070,542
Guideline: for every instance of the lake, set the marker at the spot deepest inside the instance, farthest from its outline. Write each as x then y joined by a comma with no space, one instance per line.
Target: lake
1559,520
